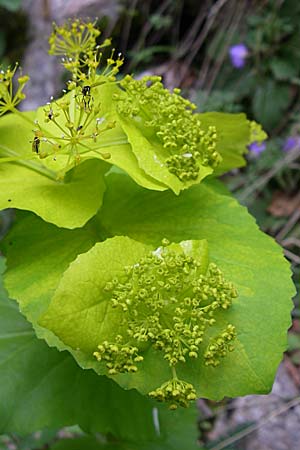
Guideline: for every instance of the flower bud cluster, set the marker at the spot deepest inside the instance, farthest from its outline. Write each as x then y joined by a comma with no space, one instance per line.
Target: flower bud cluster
169,300
73,38
170,118
118,357
8,98
175,392
257,134
183,166
220,346
76,43
72,41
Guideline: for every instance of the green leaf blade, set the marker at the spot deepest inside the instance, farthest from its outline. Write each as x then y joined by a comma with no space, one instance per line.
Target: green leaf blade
83,286
248,258
232,138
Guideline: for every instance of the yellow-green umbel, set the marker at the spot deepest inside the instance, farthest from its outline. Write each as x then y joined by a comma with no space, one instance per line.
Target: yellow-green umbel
169,299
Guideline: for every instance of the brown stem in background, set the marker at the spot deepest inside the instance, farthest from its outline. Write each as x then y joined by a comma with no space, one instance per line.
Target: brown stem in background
127,27
233,24
213,13
264,179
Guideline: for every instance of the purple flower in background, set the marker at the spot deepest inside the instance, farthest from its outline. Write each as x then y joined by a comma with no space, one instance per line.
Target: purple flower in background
238,54
290,143
257,147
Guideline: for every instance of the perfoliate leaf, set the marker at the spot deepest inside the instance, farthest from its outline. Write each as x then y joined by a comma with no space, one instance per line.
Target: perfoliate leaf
251,260
139,298
248,258
151,158
232,138
166,136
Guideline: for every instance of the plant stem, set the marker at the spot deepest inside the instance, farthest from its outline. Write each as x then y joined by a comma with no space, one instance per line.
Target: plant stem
11,156
102,145
22,115
174,372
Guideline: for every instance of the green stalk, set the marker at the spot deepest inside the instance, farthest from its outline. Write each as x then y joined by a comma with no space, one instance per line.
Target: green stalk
102,145
22,115
11,156
174,374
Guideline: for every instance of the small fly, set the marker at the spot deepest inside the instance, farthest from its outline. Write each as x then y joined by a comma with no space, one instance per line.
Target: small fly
86,94
50,114
36,142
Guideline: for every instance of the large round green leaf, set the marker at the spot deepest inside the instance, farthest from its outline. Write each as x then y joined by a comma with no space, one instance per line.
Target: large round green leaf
82,314
247,257
151,158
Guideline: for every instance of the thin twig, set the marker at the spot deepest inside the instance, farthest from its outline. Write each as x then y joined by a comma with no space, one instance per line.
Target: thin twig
127,26
239,11
146,30
176,28
204,72
289,225
290,255
263,180
291,241
188,39
292,403
212,15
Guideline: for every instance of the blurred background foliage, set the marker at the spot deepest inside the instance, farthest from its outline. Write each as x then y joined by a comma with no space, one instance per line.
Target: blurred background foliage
13,31
226,55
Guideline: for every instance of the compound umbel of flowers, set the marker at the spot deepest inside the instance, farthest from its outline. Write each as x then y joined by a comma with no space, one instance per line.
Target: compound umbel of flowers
165,116
171,119
168,300
8,98
76,118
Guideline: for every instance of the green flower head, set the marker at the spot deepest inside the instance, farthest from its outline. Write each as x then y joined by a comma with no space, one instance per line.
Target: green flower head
169,300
